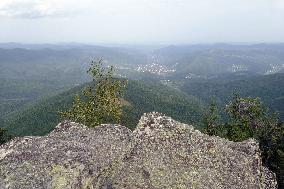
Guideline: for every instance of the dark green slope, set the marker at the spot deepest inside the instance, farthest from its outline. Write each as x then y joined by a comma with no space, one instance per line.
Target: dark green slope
41,117
269,88
153,96
15,94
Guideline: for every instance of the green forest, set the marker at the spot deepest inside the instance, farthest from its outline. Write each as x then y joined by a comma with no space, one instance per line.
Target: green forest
35,87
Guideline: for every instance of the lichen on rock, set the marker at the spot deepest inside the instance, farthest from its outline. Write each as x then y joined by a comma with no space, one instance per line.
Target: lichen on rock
160,153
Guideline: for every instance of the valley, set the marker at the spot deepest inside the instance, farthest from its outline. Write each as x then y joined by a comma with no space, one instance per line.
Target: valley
37,78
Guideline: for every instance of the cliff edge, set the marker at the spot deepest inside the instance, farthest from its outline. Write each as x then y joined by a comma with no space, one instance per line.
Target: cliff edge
160,153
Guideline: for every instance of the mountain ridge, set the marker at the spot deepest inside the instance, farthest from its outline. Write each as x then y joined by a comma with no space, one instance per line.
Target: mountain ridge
40,118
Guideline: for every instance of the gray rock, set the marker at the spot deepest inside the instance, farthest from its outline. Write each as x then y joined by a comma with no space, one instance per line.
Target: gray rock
161,153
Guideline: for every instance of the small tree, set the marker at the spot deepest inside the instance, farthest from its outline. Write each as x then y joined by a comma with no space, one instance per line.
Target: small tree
249,118
4,137
101,101
211,119
246,116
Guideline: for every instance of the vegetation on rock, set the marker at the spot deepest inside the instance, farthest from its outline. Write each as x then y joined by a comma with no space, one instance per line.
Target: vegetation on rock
249,118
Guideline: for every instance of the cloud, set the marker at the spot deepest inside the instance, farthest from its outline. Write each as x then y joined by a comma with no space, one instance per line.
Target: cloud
31,9
279,4
55,8
142,20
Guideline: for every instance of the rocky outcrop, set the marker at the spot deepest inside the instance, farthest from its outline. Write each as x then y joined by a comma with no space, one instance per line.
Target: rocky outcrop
161,153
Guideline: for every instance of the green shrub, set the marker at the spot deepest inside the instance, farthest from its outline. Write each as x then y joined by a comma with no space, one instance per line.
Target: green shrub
101,101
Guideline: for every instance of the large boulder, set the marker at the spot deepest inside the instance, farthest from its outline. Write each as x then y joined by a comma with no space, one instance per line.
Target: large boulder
161,153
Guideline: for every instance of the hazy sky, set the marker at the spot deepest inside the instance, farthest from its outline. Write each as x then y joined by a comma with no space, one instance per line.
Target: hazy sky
141,21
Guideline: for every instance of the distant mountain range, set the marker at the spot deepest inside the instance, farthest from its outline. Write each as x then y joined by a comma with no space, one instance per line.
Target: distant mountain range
212,60
176,80
172,61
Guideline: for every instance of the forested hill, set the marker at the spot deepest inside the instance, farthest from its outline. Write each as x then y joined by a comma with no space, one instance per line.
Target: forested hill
41,117
141,96
269,88
32,72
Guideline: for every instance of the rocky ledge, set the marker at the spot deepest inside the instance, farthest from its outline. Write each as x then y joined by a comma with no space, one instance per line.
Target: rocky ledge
161,153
